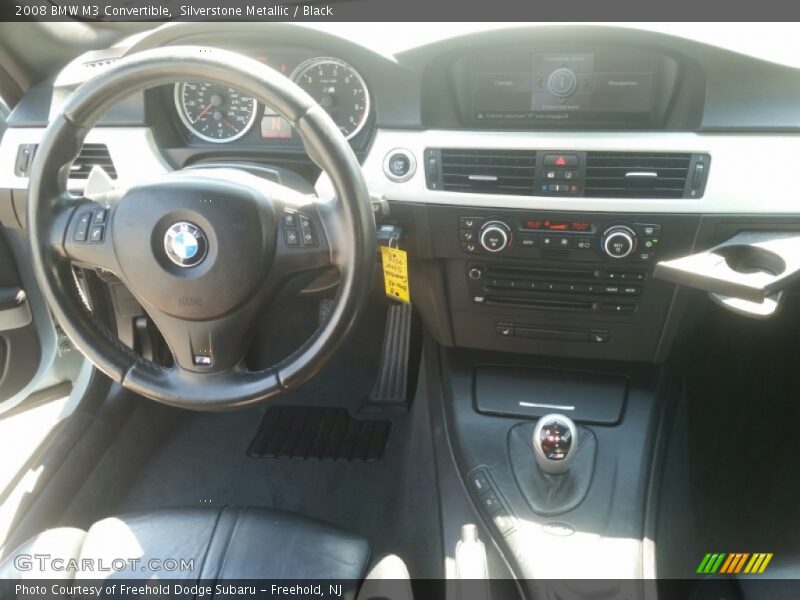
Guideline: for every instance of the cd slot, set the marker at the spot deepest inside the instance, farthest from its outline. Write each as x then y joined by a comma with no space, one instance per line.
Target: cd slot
538,273
540,303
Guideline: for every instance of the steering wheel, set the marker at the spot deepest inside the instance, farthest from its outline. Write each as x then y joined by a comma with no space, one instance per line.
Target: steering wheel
202,250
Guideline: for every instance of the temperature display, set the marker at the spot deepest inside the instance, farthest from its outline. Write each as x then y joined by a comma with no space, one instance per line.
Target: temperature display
547,225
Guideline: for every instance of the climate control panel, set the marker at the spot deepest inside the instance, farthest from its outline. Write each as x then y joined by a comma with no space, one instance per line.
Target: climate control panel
558,239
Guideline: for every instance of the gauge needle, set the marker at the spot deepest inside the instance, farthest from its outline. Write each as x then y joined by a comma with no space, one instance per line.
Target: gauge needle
229,124
202,112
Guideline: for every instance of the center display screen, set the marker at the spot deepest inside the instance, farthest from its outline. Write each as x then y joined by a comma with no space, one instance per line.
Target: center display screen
514,86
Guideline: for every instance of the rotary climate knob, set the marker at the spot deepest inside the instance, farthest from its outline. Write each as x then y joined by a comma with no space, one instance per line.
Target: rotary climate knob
619,241
495,236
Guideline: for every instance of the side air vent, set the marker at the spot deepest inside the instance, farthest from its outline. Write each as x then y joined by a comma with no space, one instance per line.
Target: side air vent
489,171
636,174
92,155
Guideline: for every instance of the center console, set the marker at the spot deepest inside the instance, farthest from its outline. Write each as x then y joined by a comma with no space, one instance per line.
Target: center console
559,284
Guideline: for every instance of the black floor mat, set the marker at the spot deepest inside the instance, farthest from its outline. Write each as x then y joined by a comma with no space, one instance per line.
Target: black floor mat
318,433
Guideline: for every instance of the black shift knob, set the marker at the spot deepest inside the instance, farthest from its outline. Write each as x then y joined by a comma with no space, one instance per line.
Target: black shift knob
555,440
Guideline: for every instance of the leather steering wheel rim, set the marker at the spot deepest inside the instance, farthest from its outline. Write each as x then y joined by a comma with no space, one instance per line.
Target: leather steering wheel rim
351,227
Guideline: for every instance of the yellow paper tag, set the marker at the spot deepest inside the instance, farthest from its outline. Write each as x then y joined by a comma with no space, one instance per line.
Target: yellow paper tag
395,273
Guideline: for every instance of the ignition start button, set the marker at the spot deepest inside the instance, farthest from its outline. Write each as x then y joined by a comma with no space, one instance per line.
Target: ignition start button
399,165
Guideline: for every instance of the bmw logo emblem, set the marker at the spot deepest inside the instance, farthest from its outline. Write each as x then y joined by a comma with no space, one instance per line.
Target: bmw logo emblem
185,244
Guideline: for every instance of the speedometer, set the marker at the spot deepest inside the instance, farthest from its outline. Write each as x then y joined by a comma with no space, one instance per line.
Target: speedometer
215,113
339,89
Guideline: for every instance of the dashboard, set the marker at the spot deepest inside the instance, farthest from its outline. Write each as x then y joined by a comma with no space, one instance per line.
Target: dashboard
538,174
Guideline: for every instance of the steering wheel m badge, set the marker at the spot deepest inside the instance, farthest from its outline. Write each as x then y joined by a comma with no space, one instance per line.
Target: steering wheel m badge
185,244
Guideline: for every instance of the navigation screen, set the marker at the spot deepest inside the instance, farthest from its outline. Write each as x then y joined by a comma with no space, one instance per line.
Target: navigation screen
531,87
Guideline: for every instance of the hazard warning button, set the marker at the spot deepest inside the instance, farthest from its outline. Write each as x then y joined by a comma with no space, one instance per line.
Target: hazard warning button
560,160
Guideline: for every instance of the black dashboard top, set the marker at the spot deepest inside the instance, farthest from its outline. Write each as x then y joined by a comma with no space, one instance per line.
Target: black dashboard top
524,78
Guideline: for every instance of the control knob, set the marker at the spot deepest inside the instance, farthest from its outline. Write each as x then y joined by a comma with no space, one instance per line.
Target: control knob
619,241
495,236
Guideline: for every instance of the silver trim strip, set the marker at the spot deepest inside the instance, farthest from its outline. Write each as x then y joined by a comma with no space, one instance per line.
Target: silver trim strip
736,182
643,174
547,406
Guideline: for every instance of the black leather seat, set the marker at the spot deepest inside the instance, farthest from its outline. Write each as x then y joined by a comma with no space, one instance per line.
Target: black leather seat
214,543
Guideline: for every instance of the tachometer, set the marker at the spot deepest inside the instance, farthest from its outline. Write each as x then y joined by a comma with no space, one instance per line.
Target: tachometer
213,112
339,89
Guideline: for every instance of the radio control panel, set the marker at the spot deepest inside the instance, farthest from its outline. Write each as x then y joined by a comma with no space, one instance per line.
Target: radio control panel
558,283
558,239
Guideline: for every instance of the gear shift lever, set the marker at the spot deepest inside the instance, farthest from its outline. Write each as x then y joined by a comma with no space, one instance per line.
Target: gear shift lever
555,443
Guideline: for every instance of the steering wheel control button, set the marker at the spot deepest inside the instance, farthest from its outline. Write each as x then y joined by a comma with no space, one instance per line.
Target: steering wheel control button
292,236
399,165
82,228
290,219
307,232
100,216
96,234
185,244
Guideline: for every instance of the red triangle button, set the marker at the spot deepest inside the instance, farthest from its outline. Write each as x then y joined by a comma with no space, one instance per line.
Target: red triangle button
561,161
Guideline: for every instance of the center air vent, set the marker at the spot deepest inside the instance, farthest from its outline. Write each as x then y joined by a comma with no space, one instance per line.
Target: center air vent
92,155
489,171
636,174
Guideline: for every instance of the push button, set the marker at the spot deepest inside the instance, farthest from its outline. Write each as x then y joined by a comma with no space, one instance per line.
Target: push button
480,483
647,229
469,248
650,244
96,234
622,309
470,222
491,502
494,240
526,240
504,330
560,160
399,165
466,235
82,228
290,219
292,236
307,233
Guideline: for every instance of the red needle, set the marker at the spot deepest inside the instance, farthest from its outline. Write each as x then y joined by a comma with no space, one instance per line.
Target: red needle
204,111
229,124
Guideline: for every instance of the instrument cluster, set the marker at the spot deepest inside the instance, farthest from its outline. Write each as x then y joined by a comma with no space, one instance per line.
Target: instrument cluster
219,114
